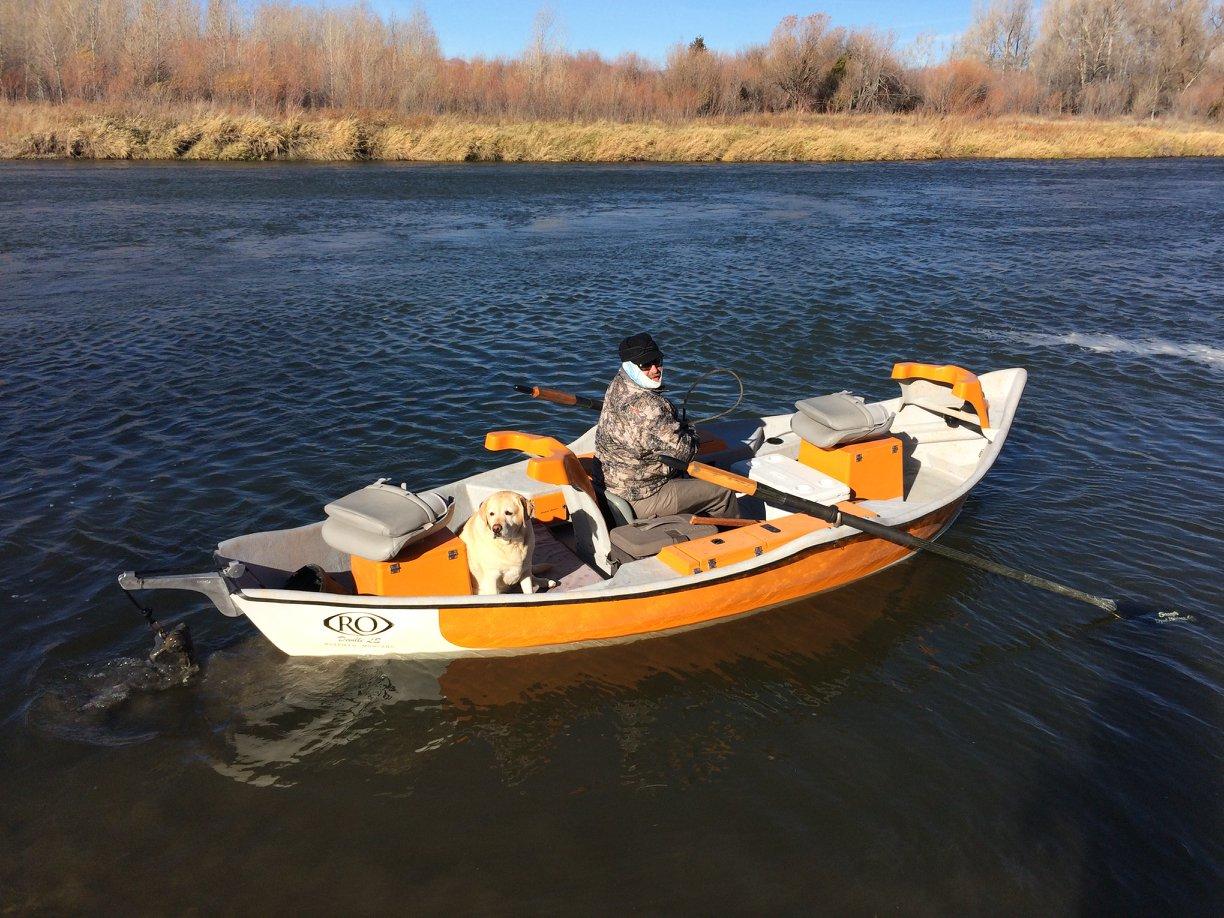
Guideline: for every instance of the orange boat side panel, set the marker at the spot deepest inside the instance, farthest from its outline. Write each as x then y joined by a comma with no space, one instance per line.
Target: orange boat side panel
873,469
964,384
542,625
737,545
435,566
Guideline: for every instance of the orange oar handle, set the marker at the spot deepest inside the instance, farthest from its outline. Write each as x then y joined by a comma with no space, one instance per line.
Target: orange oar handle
720,477
557,397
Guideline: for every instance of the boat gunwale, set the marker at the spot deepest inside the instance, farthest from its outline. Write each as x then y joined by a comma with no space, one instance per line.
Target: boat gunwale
784,555
692,581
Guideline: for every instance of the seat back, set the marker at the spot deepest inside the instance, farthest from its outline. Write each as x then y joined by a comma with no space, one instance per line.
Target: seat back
554,463
948,390
616,510
619,509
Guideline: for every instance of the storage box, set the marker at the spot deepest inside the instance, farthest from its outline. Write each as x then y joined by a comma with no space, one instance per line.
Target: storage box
737,545
873,469
787,475
550,507
435,566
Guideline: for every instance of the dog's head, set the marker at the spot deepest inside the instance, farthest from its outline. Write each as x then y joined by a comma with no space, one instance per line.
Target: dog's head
506,514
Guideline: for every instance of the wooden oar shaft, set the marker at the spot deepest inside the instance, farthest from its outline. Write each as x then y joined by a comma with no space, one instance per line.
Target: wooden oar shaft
557,397
724,521
829,514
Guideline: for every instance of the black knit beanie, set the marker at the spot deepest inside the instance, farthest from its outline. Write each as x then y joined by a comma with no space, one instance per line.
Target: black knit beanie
640,348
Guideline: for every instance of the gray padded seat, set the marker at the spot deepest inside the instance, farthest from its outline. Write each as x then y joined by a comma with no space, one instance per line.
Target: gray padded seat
380,519
616,510
833,420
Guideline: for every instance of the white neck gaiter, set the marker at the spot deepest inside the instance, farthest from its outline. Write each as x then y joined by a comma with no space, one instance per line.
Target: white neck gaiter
639,378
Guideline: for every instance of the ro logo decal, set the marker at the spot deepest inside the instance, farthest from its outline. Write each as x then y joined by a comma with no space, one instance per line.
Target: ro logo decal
365,624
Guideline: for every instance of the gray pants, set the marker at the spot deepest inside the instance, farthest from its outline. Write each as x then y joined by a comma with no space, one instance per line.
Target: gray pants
687,495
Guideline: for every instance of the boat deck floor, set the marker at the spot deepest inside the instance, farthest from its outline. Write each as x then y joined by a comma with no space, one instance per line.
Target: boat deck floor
928,484
570,571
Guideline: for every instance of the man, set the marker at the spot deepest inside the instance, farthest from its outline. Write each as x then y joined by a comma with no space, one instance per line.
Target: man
636,425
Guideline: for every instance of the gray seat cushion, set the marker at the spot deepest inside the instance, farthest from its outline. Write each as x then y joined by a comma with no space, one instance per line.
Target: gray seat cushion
380,519
646,538
832,420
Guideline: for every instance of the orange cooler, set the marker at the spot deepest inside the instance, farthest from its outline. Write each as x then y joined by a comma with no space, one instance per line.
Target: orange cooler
435,566
873,469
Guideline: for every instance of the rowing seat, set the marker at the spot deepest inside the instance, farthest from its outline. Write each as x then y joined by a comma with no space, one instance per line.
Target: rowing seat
552,462
616,510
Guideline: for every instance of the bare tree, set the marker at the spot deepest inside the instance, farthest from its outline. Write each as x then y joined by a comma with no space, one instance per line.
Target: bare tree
541,60
806,61
1173,40
1001,35
1082,43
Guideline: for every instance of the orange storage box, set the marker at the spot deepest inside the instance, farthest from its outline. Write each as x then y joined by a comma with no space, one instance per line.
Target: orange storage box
550,507
434,566
736,545
873,469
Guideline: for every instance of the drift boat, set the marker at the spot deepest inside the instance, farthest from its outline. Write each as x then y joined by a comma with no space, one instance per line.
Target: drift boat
390,572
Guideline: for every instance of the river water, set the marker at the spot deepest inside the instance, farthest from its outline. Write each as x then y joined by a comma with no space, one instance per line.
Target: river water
194,352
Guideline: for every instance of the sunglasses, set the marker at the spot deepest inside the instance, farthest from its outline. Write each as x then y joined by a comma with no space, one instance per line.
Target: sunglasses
647,364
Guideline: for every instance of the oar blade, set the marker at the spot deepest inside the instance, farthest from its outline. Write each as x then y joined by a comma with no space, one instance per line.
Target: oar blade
1134,609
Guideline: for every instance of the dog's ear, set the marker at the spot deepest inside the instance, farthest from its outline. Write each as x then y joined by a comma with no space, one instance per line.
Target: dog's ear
481,513
528,508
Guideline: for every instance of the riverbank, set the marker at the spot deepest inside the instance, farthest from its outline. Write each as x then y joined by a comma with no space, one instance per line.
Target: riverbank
66,132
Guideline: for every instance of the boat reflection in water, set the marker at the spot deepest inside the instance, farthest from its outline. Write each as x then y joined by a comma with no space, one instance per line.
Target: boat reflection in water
675,702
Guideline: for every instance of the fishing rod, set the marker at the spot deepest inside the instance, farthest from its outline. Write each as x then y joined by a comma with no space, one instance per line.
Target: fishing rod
784,501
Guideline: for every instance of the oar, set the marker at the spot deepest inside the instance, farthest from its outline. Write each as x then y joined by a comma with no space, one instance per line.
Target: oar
784,501
557,397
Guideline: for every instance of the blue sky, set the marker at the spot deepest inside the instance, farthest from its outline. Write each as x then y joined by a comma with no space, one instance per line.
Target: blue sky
501,27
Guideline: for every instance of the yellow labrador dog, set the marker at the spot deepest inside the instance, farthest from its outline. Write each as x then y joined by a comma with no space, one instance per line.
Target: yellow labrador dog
500,540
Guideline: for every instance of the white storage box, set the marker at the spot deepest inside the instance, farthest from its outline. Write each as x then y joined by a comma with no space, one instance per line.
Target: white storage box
793,477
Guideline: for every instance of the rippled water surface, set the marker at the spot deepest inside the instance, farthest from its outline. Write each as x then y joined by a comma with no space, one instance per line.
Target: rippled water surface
190,353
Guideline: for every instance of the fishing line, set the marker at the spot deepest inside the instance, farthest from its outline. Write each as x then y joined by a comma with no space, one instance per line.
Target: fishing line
702,378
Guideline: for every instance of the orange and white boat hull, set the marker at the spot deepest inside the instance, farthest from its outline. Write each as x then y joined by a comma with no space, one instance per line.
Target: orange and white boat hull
387,626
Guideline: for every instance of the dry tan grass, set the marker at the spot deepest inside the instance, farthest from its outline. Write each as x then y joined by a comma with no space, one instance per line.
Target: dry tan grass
42,131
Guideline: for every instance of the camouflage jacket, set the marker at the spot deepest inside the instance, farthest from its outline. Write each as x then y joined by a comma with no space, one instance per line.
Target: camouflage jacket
636,425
